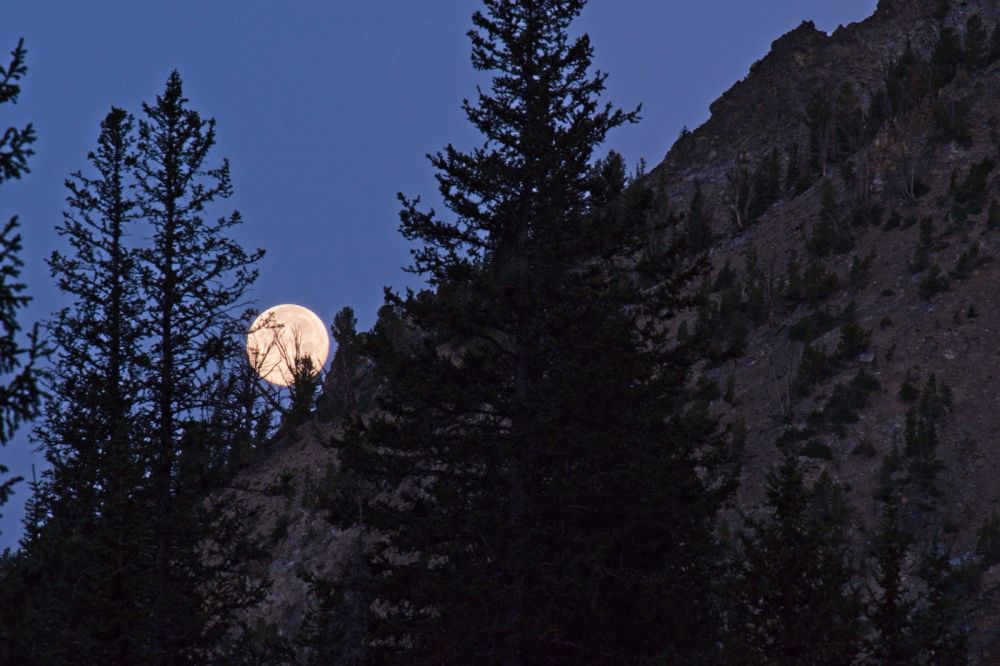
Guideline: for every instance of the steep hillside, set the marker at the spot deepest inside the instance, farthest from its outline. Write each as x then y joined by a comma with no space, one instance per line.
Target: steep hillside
853,201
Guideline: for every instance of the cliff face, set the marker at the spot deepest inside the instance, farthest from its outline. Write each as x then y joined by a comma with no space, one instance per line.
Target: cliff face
911,194
767,108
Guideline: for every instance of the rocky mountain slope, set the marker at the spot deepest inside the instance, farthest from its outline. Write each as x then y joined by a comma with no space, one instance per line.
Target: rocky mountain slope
849,186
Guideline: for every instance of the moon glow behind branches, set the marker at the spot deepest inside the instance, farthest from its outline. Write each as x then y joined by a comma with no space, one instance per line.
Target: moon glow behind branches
279,336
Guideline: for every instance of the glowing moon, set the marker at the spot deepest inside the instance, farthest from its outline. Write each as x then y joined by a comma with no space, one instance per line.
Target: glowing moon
279,336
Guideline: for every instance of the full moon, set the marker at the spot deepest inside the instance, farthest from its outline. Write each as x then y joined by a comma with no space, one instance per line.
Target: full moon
282,334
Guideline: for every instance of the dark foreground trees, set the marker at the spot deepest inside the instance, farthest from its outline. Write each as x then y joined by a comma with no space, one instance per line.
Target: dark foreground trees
799,592
537,489
194,277
87,521
19,394
794,601
128,556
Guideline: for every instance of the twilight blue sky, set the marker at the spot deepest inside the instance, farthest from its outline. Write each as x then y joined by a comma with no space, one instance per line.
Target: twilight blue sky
326,109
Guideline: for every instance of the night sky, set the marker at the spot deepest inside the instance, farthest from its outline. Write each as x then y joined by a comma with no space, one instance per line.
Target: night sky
326,109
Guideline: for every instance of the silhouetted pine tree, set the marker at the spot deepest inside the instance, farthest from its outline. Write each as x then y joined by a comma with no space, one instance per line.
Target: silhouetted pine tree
335,629
941,639
86,533
913,612
194,277
127,557
792,599
534,487
340,394
19,394
240,411
890,601
697,229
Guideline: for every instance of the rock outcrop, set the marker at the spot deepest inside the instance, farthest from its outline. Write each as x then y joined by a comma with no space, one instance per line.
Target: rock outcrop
917,167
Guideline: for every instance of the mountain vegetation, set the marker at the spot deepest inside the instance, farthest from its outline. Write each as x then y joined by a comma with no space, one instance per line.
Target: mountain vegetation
731,410
531,430
123,559
19,392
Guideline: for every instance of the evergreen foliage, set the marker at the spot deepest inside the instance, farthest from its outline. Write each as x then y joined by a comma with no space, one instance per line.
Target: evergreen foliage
239,413
127,556
341,395
194,278
860,268
335,630
844,404
89,507
822,133
758,289
993,216
797,178
829,237
967,261
936,624
812,326
530,467
545,499
975,44
766,187
988,541
946,58
814,366
921,435
811,285
697,228
970,196
911,79
933,283
19,393
849,132
921,256
795,595
792,597
951,120
854,340
890,603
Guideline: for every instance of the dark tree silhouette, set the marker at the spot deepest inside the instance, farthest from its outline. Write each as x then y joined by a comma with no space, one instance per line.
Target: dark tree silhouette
793,601
528,466
19,392
86,529
194,277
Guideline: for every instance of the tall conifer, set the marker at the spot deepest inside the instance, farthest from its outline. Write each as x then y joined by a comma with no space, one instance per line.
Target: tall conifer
129,556
19,394
529,471
194,276
87,527
793,601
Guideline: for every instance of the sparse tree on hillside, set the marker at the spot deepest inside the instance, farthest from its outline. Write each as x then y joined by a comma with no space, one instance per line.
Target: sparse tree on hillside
698,230
792,600
820,120
241,410
890,604
936,624
738,190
